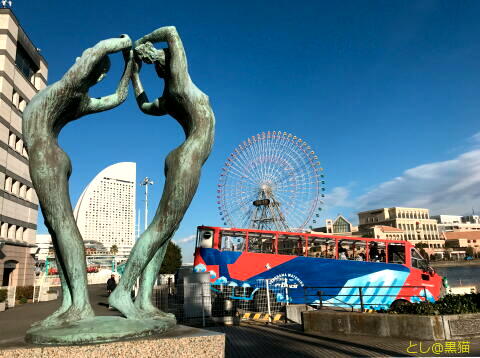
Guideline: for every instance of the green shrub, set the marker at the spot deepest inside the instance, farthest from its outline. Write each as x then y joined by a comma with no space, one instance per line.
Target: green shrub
24,292
449,304
23,300
3,295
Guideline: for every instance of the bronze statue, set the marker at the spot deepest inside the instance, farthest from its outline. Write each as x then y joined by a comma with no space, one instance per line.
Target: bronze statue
50,168
190,107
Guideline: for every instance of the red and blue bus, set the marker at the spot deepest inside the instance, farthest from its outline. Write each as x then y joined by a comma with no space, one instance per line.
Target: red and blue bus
388,271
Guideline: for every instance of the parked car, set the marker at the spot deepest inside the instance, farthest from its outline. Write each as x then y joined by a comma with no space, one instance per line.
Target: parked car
468,258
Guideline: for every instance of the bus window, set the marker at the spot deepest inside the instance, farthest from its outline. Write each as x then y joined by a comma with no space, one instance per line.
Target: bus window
291,245
205,239
359,250
330,248
317,246
377,252
396,253
347,249
261,243
231,241
417,260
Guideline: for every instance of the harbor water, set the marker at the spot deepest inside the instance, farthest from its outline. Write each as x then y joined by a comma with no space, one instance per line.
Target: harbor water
461,276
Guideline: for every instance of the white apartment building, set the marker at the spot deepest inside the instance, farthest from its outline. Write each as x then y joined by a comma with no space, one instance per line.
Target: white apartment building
23,72
415,223
457,222
105,212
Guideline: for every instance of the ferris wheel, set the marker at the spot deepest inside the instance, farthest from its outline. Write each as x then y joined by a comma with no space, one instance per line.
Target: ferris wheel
271,181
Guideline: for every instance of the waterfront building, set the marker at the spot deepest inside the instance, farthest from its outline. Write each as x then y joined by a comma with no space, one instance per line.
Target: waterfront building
340,226
460,240
386,232
457,222
23,72
105,212
416,224
93,247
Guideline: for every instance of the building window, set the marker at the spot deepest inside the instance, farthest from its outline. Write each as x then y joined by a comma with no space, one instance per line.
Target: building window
25,64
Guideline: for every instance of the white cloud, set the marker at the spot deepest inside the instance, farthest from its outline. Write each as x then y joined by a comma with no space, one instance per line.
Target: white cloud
448,187
475,138
184,240
338,197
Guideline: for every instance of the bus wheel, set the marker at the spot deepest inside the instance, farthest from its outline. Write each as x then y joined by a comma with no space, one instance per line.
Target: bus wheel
397,304
260,303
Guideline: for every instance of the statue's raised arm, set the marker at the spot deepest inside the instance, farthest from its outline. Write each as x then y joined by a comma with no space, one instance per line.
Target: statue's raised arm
92,67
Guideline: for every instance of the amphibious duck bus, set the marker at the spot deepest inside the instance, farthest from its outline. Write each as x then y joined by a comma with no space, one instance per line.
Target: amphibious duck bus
315,268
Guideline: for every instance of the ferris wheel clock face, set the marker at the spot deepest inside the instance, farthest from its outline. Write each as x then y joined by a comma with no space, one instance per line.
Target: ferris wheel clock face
271,181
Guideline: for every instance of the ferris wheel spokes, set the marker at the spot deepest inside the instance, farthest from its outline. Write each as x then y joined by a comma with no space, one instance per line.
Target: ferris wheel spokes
271,181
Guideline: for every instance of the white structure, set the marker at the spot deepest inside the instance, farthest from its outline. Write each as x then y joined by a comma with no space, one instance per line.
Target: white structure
457,223
44,245
448,219
105,211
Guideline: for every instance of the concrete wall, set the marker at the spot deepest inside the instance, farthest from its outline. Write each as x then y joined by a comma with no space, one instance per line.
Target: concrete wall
23,274
392,325
294,312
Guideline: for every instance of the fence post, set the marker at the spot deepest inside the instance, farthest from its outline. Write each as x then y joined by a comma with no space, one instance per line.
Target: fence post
360,294
320,299
268,302
425,293
203,306
286,290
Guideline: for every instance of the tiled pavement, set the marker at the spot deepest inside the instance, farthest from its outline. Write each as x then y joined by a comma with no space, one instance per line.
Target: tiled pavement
247,340
254,340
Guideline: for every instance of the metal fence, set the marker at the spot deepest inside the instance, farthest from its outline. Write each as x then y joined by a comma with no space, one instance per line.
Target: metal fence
204,303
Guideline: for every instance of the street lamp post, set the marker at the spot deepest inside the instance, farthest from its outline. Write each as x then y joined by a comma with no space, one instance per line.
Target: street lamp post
146,182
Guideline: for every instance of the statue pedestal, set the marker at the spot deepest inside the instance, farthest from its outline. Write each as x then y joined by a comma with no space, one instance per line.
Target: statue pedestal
180,341
99,329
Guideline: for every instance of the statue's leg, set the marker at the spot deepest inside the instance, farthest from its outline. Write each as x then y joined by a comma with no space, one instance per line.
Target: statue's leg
72,254
52,189
180,185
141,254
66,295
143,300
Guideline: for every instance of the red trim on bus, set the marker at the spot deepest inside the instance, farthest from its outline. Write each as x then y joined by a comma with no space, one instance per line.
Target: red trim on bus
368,241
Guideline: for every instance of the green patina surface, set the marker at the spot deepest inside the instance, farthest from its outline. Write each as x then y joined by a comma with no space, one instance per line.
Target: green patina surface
50,168
190,107
97,330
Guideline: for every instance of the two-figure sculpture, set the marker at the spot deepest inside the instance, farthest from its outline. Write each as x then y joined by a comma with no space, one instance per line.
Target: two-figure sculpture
50,168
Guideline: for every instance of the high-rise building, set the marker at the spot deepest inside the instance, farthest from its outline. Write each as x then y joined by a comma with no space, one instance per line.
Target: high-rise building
105,212
23,72
416,224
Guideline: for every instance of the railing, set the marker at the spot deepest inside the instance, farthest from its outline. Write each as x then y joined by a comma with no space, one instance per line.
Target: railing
362,297
201,303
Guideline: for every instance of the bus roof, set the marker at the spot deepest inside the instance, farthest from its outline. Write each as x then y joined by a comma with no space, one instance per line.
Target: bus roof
292,233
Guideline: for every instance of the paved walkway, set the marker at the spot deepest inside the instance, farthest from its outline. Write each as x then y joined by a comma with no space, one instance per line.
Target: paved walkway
254,340
247,340
15,322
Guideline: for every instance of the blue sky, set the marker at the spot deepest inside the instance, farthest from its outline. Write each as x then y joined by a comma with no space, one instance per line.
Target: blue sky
387,93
